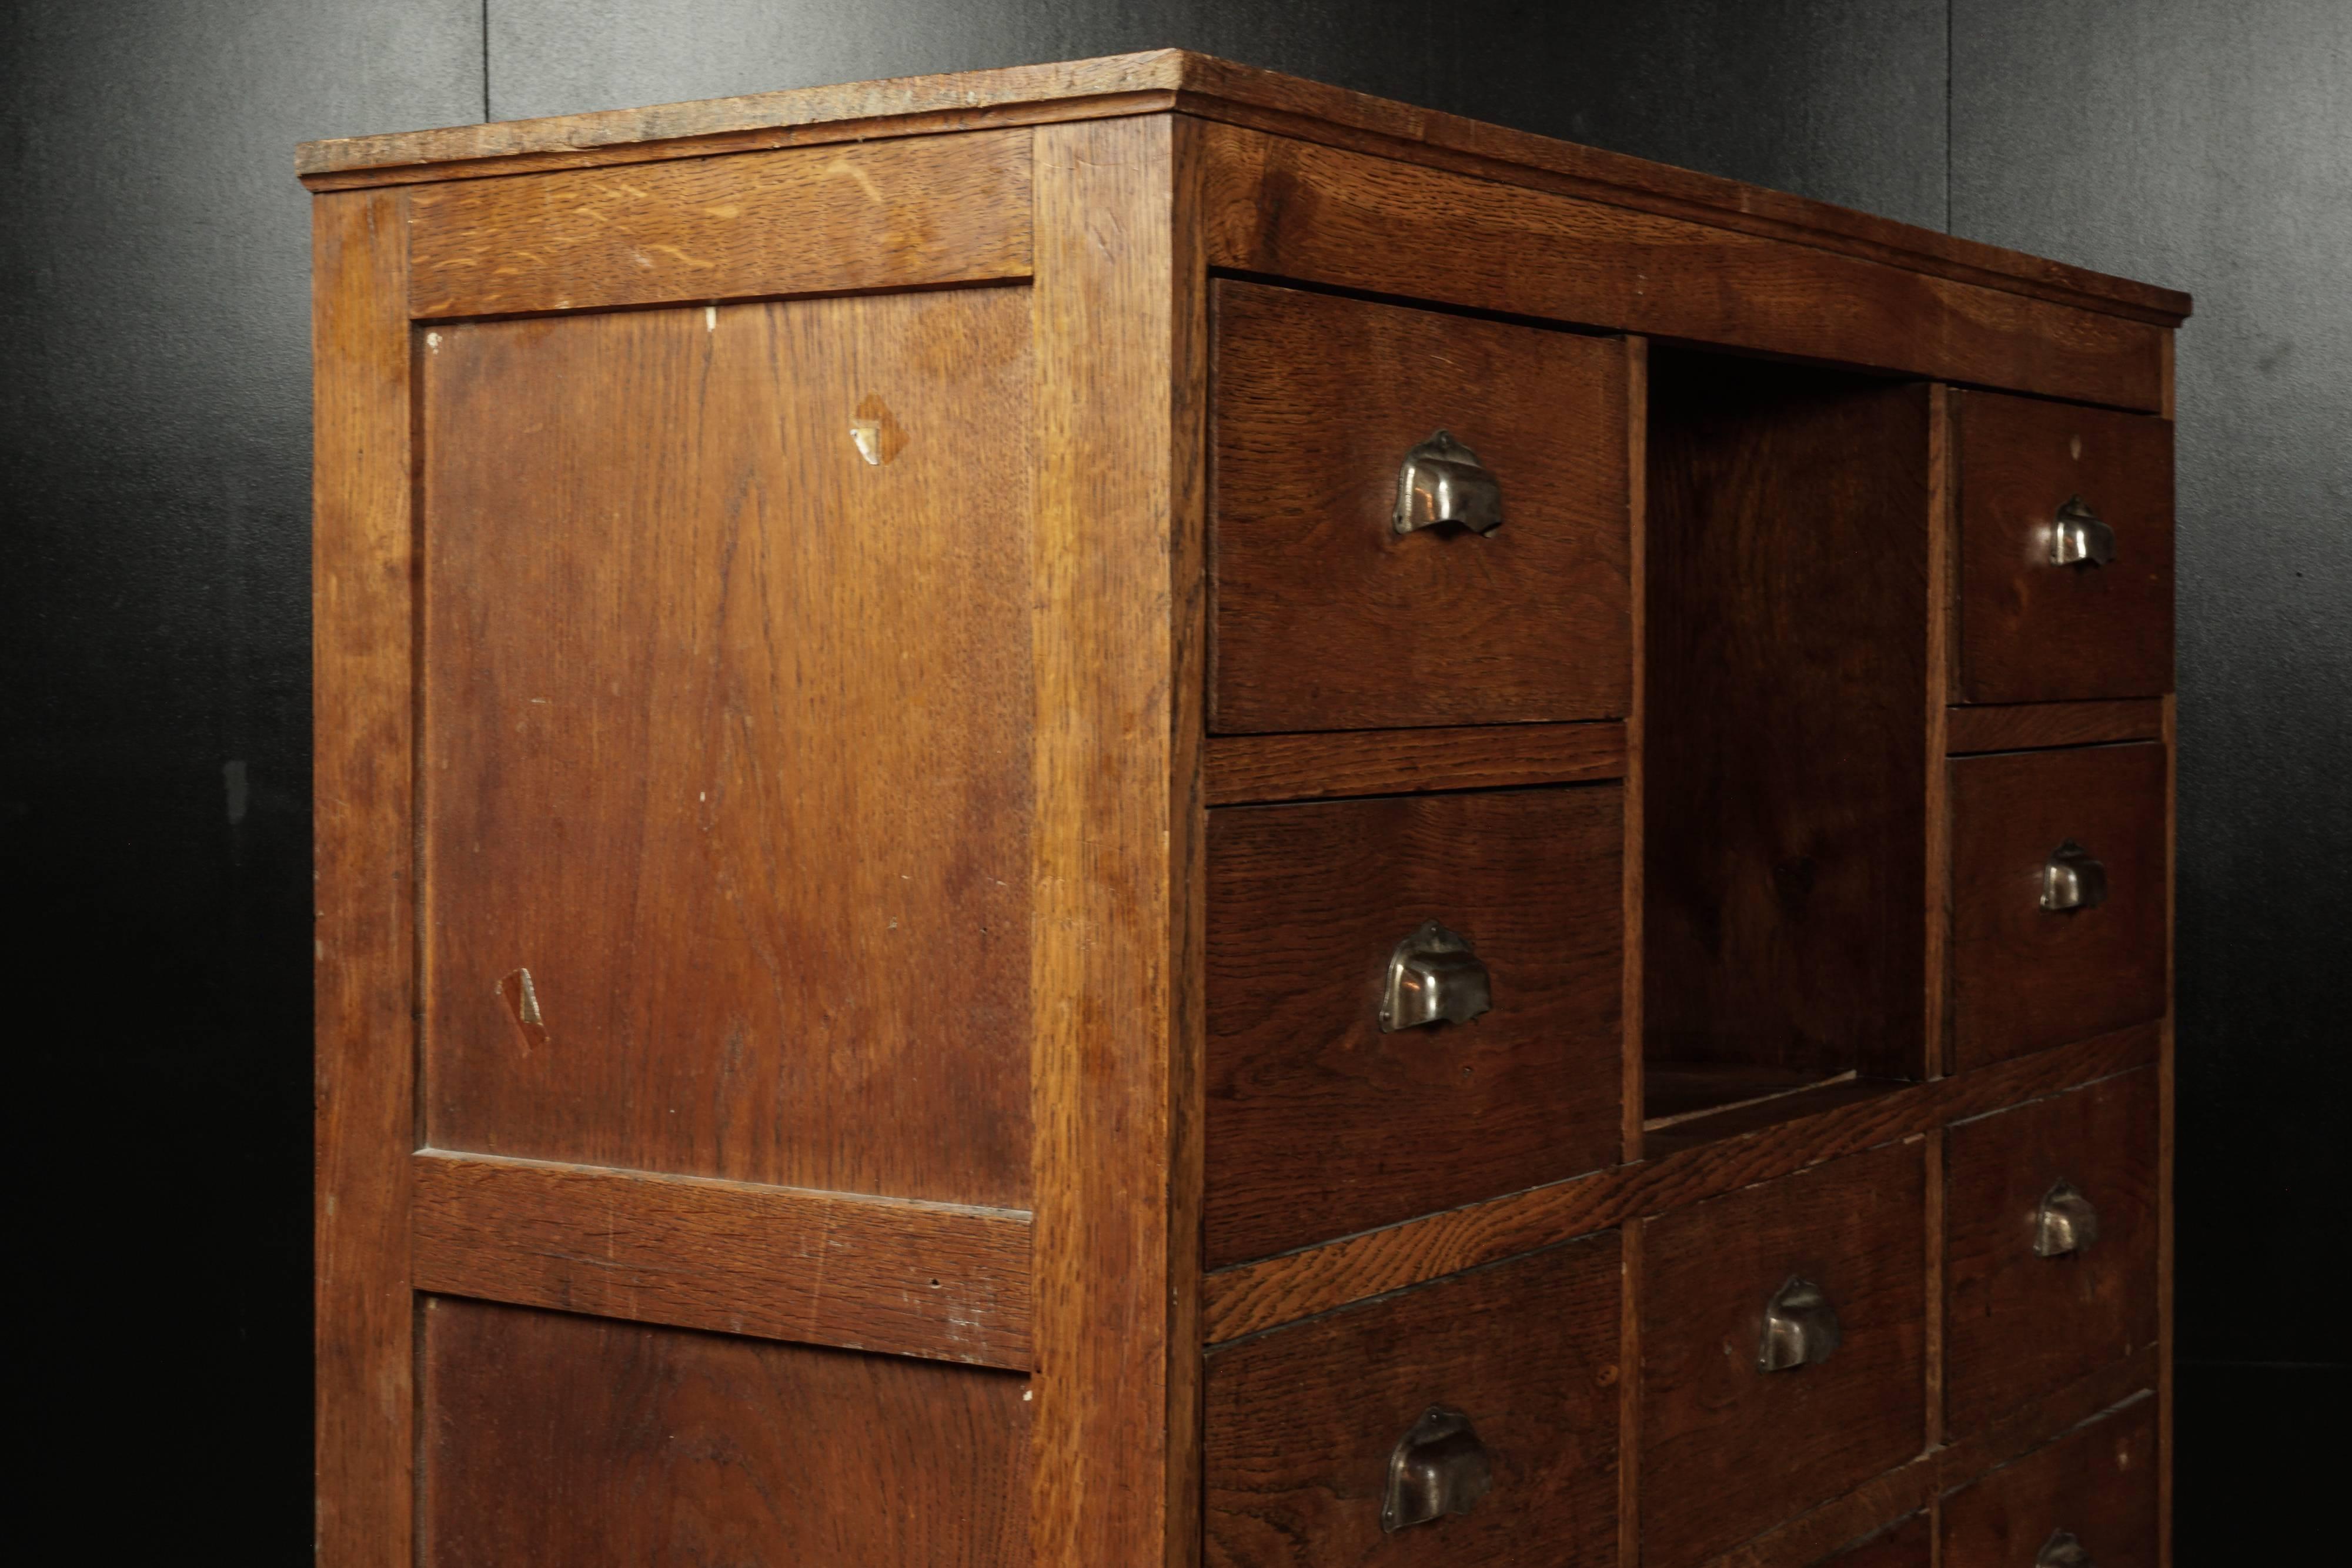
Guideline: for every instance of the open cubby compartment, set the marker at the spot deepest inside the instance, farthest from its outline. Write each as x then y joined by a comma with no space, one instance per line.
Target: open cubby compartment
1785,740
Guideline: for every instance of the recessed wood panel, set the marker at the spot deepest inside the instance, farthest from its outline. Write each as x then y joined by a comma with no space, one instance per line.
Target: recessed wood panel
887,214
1324,617
726,759
1783,902
2031,630
2017,1326
554,1438
1729,1451
2097,1483
1300,1423
1320,1124
2022,977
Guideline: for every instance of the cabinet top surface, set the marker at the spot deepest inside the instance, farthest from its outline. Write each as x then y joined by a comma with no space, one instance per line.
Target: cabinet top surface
1164,81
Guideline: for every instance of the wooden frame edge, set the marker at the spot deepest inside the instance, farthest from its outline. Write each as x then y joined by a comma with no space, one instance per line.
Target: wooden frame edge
364,753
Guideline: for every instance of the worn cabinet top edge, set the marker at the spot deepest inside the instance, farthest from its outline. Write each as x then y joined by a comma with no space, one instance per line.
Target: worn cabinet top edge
1165,79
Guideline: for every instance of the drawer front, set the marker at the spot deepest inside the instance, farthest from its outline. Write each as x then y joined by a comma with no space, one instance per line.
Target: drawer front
2050,1245
1326,616
1304,1425
1908,1545
1729,1448
2023,976
2096,1484
1320,1122
2033,628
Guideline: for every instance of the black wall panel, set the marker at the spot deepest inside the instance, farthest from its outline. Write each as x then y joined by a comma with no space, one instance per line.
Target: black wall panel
154,603
154,741
1843,99
2209,147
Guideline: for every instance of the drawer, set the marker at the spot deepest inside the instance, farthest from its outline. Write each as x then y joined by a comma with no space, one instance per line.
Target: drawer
1729,1448
2096,1484
2030,1304
2025,976
2033,629
1321,1122
1304,1425
1325,616
1910,1543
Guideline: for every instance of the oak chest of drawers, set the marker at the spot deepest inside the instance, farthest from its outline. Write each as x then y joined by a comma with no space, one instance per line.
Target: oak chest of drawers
1131,812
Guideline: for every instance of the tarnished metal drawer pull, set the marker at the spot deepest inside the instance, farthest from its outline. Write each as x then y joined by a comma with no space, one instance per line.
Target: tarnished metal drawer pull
1801,1328
1433,977
2062,1550
1439,1467
1442,482
2065,1223
2071,879
2078,538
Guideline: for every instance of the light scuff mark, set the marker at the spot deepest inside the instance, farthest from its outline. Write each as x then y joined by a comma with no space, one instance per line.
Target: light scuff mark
521,998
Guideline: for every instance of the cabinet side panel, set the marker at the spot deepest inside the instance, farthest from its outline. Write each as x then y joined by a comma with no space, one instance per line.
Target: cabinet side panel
557,1439
1116,922
726,785
363,769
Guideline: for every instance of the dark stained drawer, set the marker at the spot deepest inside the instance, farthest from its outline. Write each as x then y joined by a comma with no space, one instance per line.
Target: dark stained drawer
2095,1484
1304,1425
1909,1543
1320,1122
2050,1245
1326,616
2025,976
1729,1448
2033,628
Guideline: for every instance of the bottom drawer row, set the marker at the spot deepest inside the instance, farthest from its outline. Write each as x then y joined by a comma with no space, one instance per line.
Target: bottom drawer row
1783,1357
2089,1497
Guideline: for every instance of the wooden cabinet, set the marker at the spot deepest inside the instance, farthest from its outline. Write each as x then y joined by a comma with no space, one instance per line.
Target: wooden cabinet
1134,813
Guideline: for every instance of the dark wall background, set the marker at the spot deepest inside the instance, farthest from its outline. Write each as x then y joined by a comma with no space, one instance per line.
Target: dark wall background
153,600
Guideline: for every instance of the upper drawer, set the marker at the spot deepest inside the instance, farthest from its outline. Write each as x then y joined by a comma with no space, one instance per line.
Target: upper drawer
2050,1245
2042,481
1494,1393
2094,1490
1320,1120
1326,616
1821,1274
2058,897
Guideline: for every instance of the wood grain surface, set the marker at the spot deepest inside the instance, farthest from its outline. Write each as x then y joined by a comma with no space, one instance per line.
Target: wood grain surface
2033,632
1802,1540
1727,1451
1784,911
1286,208
2098,1482
1909,1543
1320,1124
363,759
1254,1297
1245,768
892,215
554,1438
726,742
881,1274
1301,1422
2018,1325
1324,616
1116,619
2031,727
1212,89
2023,977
